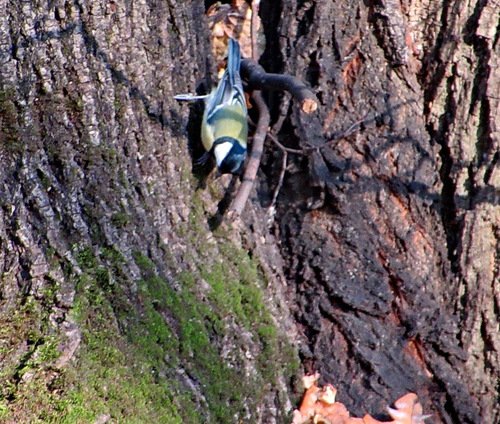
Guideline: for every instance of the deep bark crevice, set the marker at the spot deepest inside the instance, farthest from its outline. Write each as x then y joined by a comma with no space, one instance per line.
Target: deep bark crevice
450,218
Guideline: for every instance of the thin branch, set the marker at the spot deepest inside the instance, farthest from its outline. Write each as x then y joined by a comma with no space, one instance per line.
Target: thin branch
259,79
284,163
254,161
349,131
274,139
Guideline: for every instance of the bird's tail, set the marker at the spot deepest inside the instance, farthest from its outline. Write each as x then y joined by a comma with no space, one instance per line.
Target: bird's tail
230,89
233,62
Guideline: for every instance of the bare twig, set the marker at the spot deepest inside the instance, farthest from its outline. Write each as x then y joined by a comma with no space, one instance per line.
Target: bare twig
284,163
274,139
254,161
259,79
349,131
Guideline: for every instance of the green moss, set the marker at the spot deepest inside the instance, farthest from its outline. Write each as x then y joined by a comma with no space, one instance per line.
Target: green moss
122,369
29,351
115,373
48,351
143,262
135,345
9,126
191,343
4,410
75,103
85,258
237,288
240,294
123,180
236,291
120,219
112,256
45,180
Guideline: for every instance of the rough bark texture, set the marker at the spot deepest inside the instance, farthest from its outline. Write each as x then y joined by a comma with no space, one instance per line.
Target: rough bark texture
117,301
393,245
121,298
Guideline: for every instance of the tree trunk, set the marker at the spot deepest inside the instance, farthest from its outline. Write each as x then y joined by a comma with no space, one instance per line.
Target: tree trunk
121,299
393,246
117,301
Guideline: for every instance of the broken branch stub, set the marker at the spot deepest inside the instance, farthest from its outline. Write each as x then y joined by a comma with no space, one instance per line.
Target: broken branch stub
259,79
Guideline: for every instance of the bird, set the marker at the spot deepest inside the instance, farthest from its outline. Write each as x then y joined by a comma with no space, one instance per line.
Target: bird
224,128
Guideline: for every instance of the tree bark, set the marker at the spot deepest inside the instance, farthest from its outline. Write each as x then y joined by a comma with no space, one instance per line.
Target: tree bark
393,243
117,301
121,296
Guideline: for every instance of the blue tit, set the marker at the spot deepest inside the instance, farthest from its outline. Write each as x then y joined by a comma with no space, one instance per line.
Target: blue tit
224,127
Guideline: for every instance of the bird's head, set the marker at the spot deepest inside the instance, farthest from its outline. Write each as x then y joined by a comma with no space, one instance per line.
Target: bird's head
229,155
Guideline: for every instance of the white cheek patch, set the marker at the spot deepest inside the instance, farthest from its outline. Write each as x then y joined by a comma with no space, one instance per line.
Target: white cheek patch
221,151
